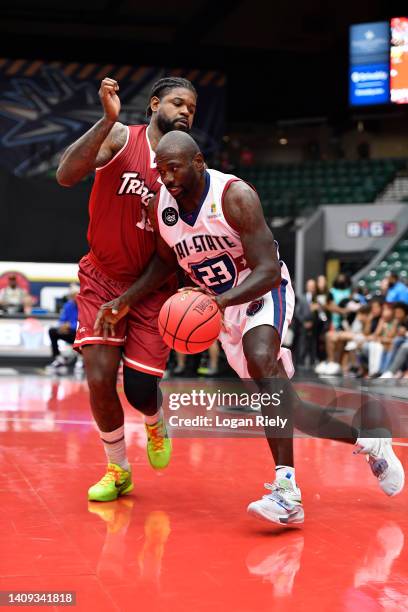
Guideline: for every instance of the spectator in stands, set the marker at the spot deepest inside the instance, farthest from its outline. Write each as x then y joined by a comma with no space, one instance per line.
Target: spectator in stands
66,331
358,296
376,307
322,287
399,365
306,314
397,290
400,317
14,299
381,341
336,302
343,303
339,295
323,323
342,344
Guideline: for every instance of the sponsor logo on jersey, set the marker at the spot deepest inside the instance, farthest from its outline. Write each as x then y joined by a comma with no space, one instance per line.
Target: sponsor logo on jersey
133,183
254,307
170,216
214,214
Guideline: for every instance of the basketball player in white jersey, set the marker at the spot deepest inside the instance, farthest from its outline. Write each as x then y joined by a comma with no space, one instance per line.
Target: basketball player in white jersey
212,225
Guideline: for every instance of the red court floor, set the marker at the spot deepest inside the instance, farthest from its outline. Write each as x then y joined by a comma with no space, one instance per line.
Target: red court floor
183,540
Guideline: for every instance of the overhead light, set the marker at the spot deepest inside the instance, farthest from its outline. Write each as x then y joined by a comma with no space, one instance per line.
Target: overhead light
283,141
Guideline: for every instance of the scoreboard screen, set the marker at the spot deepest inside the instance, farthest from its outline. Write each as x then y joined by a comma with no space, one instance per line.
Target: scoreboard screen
378,67
399,60
369,63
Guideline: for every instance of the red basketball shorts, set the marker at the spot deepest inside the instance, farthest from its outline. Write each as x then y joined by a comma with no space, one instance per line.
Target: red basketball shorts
137,332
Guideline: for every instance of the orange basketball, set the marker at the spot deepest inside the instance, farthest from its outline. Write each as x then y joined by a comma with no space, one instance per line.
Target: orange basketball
189,321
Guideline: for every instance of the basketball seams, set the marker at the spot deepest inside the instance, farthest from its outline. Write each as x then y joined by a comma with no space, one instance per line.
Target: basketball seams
174,339
185,344
186,311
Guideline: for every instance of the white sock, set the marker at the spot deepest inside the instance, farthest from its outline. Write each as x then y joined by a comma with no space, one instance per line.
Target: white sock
153,418
115,446
287,472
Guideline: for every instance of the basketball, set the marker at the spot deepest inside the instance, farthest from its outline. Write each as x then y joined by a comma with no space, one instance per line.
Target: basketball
189,321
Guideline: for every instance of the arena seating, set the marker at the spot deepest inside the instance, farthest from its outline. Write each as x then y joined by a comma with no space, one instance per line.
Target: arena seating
290,189
396,261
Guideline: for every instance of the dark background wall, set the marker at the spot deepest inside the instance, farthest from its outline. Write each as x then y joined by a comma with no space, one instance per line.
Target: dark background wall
41,221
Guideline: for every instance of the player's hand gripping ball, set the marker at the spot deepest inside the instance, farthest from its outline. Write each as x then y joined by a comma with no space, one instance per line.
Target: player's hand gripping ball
190,321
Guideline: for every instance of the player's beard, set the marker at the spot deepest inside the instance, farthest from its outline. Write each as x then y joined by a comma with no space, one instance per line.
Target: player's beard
167,125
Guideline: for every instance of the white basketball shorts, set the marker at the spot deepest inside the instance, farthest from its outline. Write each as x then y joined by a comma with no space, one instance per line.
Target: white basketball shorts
274,308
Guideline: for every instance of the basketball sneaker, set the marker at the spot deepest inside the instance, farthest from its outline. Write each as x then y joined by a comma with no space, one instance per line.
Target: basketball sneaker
384,463
58,366
158,445
116,481
283,505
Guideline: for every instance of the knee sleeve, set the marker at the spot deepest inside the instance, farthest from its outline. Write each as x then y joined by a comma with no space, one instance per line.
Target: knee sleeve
142,390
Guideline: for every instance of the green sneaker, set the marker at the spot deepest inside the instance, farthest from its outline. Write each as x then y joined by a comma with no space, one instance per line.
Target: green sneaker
116,481
158,445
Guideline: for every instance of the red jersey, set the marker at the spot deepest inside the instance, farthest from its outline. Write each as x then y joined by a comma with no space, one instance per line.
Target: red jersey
120,239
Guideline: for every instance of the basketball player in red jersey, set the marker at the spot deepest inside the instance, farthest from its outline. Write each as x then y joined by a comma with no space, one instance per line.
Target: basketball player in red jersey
121,245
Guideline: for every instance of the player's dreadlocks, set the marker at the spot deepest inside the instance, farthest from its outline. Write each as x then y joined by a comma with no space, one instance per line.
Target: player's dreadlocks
163,86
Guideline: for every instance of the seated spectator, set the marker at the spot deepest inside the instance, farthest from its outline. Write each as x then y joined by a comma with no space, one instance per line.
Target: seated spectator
66,331
341,345
15,299
397,290
399,364
336,302
381,341
400,318
357,327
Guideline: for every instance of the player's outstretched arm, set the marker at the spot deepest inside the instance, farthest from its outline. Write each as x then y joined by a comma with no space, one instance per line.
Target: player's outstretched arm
162,265
99,144
243,211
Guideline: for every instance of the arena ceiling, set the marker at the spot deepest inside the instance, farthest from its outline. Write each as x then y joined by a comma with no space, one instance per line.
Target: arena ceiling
278,48
286,26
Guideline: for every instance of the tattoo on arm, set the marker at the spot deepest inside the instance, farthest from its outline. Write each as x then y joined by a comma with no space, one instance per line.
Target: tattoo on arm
94,148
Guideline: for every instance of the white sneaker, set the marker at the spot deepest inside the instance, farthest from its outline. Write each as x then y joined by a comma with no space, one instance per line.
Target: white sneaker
321,367
283,505
384,463
56,366
332,369
387,375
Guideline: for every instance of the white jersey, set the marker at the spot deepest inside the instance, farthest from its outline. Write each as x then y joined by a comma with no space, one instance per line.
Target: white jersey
206,246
